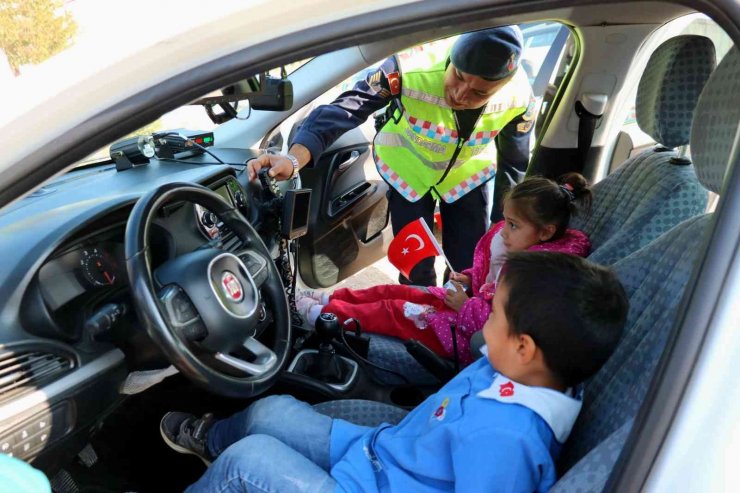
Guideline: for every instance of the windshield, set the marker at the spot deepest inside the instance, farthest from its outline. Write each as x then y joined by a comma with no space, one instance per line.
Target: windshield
61,40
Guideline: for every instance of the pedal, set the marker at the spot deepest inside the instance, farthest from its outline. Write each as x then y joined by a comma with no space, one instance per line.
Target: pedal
63,482
88,457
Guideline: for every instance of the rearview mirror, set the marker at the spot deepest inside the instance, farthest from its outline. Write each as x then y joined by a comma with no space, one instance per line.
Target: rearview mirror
274,95
266,94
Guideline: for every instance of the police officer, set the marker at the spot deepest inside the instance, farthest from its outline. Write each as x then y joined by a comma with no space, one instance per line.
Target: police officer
456,119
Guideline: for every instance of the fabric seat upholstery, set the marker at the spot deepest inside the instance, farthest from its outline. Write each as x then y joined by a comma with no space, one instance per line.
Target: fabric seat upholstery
655,278
654,190
645,197
362,412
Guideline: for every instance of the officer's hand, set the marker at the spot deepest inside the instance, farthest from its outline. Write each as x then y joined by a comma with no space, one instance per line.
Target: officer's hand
281,168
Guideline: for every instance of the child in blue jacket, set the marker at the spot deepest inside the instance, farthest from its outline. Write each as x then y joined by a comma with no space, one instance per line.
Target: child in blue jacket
497,426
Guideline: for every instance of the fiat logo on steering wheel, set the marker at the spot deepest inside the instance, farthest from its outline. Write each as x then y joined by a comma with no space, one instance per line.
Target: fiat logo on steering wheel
231,287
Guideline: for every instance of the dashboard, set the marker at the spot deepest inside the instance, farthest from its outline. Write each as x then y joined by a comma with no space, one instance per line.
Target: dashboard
70,332
76,284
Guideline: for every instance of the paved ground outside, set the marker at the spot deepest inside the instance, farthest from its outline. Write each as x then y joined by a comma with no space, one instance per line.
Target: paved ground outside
381,272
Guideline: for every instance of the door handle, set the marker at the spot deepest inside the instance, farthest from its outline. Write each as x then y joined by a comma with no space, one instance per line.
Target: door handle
353,156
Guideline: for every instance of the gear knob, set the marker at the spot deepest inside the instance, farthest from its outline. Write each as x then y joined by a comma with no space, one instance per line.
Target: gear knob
327,326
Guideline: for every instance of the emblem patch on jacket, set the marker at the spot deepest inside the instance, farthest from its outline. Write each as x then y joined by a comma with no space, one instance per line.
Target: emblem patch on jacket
441,411
506,389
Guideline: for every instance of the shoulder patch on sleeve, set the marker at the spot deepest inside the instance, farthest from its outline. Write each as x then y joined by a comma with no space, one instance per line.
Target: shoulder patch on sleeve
524,126
375,81
394,83
531,107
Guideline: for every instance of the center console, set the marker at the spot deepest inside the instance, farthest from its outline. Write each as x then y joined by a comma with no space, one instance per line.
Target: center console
324,364
324,372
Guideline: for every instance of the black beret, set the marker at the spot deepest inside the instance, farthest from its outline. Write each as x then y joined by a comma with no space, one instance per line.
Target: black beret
491,53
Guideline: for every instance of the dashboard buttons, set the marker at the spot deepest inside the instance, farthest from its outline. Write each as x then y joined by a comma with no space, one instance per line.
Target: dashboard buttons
31,436
105,318
239,199
209,219
208,222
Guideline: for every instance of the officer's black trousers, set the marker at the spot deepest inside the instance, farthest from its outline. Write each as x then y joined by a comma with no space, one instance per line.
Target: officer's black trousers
463,224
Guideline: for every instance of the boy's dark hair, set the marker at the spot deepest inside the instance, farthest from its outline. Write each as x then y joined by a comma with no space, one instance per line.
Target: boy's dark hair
573,309
543,201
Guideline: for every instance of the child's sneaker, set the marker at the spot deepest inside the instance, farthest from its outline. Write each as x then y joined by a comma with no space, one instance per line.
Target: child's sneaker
314,294
186,434
305,307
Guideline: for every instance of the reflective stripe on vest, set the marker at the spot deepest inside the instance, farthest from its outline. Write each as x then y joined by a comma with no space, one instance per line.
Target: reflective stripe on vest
414,154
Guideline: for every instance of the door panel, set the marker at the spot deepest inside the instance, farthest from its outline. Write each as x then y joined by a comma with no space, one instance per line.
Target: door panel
348,224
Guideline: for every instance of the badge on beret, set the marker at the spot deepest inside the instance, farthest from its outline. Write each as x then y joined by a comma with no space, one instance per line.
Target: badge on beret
394,82
512,64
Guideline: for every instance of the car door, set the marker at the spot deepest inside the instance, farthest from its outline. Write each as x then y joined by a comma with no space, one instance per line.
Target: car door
349,212
349,209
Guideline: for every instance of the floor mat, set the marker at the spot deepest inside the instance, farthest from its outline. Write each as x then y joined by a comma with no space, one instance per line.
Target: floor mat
132,455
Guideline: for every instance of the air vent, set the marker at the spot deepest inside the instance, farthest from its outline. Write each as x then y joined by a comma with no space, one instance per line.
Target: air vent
24,371
230,242
41,192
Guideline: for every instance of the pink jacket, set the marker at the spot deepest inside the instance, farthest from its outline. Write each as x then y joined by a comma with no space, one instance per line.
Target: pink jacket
474,313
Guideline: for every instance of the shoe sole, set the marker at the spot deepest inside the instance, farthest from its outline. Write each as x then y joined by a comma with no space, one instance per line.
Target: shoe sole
180,449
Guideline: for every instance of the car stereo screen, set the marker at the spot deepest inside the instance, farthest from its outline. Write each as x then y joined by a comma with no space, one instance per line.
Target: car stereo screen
224,192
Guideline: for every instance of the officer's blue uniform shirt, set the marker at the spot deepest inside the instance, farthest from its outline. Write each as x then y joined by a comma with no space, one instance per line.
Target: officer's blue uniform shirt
480,432
352,108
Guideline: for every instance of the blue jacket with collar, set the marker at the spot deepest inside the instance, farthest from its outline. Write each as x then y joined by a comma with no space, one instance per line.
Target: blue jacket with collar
455,440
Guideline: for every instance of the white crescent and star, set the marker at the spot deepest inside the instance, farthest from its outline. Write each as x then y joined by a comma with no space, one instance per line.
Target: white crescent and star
417,238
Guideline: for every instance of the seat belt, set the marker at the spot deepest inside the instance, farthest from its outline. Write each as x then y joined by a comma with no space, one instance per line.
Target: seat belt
539,84
589,113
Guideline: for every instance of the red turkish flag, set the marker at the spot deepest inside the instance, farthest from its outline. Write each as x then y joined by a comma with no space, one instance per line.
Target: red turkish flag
412,244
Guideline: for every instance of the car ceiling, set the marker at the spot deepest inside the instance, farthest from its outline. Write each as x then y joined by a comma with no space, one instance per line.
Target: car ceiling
122,101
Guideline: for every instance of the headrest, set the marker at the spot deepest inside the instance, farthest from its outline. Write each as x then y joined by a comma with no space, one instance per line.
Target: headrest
670,87
716,121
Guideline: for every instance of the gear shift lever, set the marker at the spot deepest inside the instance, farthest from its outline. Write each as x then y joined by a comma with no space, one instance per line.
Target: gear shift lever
327,366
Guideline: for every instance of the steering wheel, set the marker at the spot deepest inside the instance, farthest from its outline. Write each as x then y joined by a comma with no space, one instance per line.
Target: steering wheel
203,308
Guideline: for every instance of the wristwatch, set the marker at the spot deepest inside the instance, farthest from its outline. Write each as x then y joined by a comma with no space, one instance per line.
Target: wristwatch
293,160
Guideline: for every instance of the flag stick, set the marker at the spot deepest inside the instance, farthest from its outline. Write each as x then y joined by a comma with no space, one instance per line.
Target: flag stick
436,244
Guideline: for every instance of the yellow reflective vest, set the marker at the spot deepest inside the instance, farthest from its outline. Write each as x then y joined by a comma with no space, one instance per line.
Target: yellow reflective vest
415,155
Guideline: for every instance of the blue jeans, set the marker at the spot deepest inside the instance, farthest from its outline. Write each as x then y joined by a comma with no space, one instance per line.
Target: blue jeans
278,444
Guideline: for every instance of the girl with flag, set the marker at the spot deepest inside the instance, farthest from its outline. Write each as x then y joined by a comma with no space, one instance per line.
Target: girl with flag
536,215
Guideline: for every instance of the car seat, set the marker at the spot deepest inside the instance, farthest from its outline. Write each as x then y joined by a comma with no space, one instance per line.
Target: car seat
648,195
655,278
656,189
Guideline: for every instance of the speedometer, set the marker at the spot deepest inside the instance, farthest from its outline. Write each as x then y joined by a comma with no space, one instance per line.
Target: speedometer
98,267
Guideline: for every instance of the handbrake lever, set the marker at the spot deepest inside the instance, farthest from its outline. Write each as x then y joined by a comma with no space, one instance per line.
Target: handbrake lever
441,368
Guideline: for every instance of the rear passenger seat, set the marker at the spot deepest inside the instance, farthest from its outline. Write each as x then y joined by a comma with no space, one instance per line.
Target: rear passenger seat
655,190
655,278
646,196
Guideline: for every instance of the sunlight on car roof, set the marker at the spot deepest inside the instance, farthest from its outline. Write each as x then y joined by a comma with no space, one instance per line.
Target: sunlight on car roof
102,34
